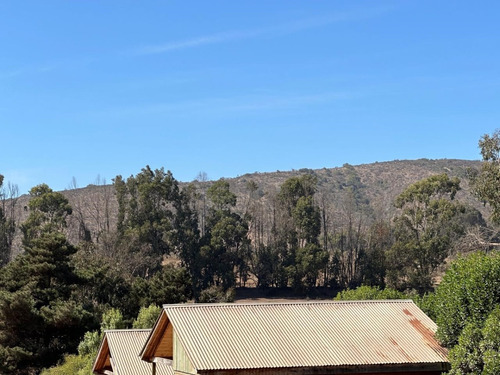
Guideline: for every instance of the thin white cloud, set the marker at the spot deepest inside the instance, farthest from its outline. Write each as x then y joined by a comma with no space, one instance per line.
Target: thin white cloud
27,69
271,31
216,38
199,41
46,67
217,106
11,73
274,102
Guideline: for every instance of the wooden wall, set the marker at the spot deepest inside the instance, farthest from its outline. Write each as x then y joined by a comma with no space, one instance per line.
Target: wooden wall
182,364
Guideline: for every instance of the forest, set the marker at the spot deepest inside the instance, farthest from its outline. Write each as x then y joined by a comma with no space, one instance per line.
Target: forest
174,243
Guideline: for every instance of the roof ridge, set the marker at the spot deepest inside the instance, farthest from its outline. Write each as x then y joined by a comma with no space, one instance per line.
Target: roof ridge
322,302
128,330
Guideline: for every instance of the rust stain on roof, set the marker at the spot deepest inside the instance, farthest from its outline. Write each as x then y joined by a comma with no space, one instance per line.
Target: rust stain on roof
401,350
428,336
407,312
381,354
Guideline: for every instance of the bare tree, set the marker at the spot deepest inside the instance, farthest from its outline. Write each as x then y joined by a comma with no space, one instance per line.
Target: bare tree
8,198
92,211
347,243
478,237
202,178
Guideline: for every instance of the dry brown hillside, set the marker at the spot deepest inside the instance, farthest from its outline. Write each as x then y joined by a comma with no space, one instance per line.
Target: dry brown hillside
370,188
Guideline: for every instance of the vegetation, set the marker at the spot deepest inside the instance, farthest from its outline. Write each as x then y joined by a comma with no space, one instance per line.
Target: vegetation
154,219
224,245
467,310
469,292
7,222
369,293
39,317
485,181
423,230
147,317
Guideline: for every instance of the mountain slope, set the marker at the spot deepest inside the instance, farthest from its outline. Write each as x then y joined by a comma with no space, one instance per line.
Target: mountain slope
369,189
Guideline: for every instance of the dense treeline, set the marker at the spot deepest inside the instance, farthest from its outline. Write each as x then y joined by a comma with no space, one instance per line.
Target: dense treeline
172,245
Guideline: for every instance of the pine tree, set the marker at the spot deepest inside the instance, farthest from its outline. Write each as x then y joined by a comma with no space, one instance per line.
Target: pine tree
39,319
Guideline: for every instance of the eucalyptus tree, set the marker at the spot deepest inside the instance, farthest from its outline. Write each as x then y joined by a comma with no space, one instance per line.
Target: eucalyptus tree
485,181
297,229
225,246
155,219
423,231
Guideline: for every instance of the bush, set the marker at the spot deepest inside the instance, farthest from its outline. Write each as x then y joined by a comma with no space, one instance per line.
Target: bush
369,293
72,364
215,294
469,292
147,317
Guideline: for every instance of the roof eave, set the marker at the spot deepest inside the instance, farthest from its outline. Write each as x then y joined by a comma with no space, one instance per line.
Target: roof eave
154,337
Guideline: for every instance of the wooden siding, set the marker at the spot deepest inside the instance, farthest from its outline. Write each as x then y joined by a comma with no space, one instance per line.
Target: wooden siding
103,361
181,363
153,341
165,345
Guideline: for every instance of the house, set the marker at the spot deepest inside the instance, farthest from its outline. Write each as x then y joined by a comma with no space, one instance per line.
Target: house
341,337
119,354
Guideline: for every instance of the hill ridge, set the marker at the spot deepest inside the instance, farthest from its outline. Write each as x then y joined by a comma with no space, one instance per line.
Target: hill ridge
372,188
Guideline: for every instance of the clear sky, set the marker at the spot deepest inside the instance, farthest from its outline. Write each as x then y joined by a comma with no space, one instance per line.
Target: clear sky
100,88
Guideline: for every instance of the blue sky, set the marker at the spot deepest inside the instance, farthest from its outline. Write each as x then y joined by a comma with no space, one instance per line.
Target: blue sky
101,88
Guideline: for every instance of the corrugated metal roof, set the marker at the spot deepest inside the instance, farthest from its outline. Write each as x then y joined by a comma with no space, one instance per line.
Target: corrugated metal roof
124,347
272,335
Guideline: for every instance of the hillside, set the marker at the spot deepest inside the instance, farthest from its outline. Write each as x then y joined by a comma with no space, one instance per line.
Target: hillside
369,189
